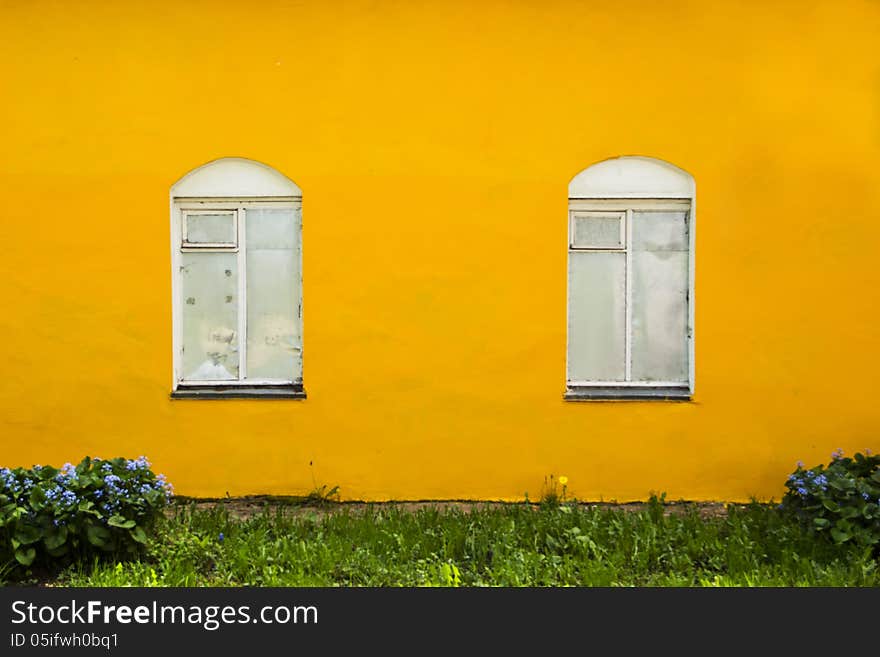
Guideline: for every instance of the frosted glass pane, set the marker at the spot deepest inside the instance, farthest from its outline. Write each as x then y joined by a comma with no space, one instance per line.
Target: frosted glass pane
210,228
596,317
660,231
597,231
659,289
209,289
273,290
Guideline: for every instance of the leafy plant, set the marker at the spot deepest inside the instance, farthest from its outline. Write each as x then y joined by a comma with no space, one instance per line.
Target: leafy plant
322,494
551,495
841,499
446,574
99,506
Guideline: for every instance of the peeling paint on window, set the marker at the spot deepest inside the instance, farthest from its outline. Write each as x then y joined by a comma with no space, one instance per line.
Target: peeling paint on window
209,323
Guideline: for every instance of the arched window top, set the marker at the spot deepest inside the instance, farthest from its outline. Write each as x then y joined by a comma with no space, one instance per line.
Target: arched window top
632,177
232,177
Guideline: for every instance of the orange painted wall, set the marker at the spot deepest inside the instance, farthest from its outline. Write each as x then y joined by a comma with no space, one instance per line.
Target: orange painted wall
434,142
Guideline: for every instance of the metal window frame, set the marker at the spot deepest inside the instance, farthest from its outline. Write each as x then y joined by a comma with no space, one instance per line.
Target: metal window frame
578,390
242,387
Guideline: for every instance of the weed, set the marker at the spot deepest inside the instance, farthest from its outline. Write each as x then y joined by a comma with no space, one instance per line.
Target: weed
551,495
321,494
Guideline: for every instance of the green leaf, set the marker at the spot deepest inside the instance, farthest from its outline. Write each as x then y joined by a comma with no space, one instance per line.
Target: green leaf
57,552
138,534
97,535
839,536
47,472
821,523
25,556
37,496
27,534
121,521
56,539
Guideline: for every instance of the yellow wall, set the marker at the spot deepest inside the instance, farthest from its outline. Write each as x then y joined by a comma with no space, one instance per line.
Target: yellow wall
434,142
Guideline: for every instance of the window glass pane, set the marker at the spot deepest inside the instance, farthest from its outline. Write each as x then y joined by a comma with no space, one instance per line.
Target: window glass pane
209,289
596,319
210,228
597,230
273,292
660,231
659,293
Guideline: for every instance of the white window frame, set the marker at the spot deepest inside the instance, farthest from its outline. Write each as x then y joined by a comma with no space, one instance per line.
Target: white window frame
208,246
575,213
652,185
240,207
234,185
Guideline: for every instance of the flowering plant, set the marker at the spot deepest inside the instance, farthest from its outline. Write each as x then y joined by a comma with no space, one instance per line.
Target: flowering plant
841,498
98,505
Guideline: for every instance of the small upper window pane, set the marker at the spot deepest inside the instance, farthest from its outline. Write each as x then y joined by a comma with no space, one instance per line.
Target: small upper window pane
209,228
598,230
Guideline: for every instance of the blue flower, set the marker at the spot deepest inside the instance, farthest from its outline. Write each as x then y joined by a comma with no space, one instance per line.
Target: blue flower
220,538
802,491
140,463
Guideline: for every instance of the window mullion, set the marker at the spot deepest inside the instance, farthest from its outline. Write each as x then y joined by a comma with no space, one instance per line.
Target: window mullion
628,311
242,295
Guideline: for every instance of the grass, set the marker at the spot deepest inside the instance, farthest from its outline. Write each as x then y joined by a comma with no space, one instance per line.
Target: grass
508,545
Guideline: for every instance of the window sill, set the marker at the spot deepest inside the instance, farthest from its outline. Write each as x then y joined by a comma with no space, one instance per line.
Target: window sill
294,391
626,393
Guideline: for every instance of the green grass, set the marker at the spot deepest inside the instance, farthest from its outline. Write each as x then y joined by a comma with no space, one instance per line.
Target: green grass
512,545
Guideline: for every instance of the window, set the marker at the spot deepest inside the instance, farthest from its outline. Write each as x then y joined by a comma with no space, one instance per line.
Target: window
630,281
236,282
